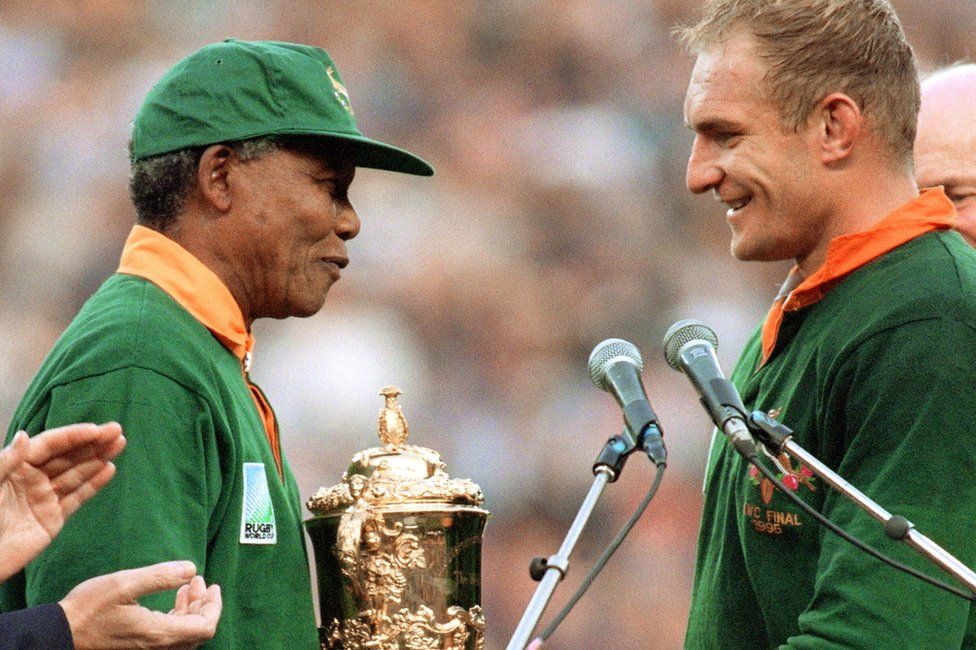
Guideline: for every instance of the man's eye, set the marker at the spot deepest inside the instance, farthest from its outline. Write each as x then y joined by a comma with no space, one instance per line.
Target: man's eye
339,192
726,139
961,196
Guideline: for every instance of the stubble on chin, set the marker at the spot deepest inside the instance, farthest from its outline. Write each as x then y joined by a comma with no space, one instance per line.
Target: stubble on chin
746,251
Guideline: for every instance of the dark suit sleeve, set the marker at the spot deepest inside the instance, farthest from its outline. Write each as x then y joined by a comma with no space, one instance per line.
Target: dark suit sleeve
44,626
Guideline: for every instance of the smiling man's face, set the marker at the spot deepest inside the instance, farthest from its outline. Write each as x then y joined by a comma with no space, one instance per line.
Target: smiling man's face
748,159
291,230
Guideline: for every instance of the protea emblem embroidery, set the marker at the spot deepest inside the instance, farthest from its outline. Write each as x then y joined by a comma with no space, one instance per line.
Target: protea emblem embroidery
791,478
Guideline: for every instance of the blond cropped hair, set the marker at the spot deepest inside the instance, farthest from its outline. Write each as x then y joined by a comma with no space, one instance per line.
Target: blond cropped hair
816,47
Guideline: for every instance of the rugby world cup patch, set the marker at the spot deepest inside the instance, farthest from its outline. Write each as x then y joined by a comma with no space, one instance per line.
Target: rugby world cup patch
257,513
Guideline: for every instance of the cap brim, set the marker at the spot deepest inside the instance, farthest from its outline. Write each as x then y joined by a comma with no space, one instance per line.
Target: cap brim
379,155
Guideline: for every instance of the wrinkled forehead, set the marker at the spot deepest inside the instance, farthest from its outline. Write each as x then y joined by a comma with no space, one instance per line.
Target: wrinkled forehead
943,157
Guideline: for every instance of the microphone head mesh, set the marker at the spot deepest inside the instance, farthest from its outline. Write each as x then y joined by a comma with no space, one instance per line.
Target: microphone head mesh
607,351
682,332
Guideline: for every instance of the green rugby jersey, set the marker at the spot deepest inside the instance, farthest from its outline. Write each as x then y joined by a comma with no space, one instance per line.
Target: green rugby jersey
197,480
878,379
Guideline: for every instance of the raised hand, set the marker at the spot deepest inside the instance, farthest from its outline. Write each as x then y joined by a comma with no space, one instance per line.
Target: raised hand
44,479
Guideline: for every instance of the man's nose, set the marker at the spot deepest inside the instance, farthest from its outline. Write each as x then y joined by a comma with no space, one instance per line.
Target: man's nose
704,172
348,224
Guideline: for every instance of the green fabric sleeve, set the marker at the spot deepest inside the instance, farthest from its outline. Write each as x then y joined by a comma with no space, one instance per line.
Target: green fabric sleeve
905,401
158,505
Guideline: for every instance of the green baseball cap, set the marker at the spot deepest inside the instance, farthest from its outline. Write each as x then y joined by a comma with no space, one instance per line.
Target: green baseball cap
236,90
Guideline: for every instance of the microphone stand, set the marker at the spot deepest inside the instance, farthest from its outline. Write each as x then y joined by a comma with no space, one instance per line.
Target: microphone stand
778,439
550,571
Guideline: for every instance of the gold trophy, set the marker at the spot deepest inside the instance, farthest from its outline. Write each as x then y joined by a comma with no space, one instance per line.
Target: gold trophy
397,547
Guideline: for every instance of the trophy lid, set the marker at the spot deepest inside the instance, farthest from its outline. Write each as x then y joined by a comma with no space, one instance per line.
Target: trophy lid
395,475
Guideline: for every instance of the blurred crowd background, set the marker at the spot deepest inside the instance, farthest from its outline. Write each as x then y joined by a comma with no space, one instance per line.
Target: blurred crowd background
557,218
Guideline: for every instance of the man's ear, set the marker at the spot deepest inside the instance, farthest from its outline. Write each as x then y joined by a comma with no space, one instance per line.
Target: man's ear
839,122
212,176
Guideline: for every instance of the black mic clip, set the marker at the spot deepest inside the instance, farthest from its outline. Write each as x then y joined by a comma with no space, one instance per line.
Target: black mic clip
652,442
614,454
619,447
770,432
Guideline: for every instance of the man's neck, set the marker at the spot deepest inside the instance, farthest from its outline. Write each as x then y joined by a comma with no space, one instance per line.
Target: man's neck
202,237
859,204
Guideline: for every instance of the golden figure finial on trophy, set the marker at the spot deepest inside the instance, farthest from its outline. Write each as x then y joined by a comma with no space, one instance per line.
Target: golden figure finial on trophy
393,426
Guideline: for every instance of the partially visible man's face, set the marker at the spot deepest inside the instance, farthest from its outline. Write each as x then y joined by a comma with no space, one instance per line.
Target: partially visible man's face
945,147
747,158
292,230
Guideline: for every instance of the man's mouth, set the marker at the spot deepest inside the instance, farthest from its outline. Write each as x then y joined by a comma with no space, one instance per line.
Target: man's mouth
737,205
334,264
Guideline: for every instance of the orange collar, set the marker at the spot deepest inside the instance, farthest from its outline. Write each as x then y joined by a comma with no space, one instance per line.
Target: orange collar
157,258
931,210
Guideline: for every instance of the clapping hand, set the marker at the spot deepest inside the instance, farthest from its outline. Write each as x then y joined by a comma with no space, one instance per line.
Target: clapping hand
46,478
103,612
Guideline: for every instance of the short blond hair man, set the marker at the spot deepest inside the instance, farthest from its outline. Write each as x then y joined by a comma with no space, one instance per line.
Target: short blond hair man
804,115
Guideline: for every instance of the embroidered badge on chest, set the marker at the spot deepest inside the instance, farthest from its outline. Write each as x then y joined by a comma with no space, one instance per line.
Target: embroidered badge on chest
767,520
257,513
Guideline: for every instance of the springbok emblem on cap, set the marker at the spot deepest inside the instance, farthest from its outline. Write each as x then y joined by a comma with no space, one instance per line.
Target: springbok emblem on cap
340,91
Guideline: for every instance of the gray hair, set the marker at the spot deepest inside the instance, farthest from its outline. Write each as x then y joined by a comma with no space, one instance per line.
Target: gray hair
160,185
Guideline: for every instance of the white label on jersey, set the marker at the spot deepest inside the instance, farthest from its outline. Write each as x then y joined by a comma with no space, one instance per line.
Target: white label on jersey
257,516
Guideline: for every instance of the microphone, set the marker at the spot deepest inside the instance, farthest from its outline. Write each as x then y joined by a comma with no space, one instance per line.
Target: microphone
689,347
615,367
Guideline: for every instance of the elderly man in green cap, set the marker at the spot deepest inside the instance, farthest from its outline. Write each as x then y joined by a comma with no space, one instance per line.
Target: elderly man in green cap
242,157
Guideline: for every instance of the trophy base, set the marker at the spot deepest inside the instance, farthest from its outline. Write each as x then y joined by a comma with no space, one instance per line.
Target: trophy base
407,630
